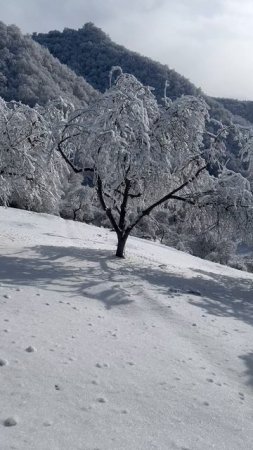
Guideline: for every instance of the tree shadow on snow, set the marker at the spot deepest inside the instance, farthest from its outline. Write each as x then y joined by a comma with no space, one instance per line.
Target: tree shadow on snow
97,275
225,296
248,361
108,280
59,269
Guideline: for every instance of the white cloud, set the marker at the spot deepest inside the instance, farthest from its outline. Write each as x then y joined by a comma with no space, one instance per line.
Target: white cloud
208,41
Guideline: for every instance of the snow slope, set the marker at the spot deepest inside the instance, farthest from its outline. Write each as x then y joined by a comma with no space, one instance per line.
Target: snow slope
151,352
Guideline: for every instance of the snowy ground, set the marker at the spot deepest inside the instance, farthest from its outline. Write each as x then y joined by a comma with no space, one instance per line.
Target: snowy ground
152,352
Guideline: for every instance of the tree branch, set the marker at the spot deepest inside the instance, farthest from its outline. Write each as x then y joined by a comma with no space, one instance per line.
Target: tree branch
183,199
16,174
110,197
166,197
103,204
67,160
70,164
124,205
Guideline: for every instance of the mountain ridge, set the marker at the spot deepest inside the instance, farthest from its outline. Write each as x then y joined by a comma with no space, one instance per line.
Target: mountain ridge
91,53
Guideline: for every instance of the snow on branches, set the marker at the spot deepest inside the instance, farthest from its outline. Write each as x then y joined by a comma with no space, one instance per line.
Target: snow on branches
139,158
29,177
143,156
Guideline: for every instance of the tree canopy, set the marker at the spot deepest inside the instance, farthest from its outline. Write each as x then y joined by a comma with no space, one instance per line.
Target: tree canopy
143,156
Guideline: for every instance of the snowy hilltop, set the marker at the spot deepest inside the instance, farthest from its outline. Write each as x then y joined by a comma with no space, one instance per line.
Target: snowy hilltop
151,352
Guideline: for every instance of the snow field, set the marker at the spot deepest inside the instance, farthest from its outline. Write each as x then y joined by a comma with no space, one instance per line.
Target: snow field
151,352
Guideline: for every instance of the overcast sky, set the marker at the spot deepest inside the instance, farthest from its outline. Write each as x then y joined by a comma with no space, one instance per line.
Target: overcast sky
208,41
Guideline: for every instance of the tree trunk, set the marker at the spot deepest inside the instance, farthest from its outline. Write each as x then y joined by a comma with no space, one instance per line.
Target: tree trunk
121,245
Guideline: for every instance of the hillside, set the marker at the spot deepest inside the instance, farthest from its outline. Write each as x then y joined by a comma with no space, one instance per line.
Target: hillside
151,352
29,73
91,53
243,108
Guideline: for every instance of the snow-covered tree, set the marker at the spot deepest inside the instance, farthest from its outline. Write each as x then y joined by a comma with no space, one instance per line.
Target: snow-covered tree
142,157
78,202
31,175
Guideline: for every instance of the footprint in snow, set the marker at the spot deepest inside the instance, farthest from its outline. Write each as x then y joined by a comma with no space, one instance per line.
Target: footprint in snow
86,408
241,395
3,362
101,400
102,365
31,349
11,421
47,423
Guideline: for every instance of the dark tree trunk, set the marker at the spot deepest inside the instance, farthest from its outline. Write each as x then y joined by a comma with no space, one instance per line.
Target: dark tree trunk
121,245
75,213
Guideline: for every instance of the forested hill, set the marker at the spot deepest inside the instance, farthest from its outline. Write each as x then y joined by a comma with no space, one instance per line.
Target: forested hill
91,53
29,73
